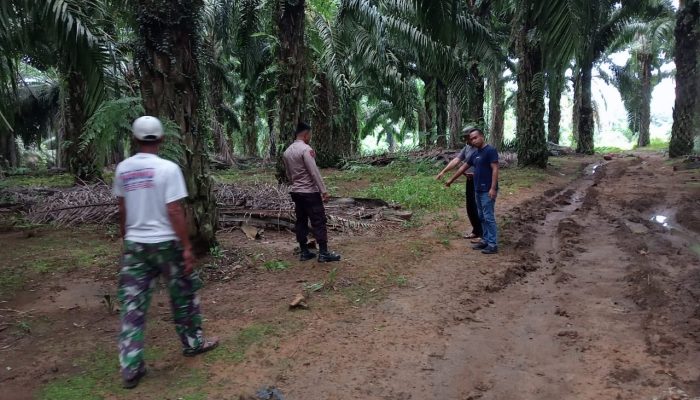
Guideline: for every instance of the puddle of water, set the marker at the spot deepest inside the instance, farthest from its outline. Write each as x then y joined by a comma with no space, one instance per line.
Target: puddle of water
660,219
591,169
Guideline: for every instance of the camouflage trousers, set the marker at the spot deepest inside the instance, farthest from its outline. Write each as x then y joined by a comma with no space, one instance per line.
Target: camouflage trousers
141,265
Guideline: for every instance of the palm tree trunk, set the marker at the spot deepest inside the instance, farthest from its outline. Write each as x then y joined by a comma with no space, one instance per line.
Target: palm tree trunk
476,97
455,121
9,151
645,109
576,106
555,85
430,118
323,129
271,109
81,162
685,120
250,132
291,79
532,144
498,112
423,127
585,143
221,131
171,90
441,113
391,142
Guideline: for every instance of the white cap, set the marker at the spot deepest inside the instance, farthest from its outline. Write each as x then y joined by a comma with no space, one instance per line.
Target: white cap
147,128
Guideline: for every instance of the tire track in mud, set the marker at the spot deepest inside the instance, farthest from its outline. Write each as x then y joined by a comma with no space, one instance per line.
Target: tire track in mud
567,321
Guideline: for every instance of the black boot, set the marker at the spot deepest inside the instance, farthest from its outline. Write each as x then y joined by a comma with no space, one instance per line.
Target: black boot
133,382
328,256
305,253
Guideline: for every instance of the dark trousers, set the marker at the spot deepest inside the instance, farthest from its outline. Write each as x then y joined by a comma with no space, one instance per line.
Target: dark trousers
472,209
309,206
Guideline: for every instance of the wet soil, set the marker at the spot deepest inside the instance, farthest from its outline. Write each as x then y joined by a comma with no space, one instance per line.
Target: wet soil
590,297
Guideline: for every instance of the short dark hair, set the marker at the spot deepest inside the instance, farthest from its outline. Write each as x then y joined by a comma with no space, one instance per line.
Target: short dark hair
148,142
469,129
302,127
481,133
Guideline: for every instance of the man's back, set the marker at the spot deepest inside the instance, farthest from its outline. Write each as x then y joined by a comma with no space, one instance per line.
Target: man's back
301,169
148,183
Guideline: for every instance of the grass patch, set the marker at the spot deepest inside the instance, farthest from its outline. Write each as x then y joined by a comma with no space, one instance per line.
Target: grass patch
513,179
418,192
276,265
100,378
190,386
608,149
656,144
235,350
363,293
60,180
54,250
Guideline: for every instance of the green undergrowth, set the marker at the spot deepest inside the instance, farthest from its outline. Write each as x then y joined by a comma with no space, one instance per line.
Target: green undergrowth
100,379
608,149
37,180
44,250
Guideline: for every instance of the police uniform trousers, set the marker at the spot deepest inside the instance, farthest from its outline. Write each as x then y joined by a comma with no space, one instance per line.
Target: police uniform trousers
309,206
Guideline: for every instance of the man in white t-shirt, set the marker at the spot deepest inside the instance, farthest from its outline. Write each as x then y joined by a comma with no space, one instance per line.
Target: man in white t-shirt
152,222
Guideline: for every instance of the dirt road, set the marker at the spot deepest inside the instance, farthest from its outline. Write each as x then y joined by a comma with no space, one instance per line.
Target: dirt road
585,308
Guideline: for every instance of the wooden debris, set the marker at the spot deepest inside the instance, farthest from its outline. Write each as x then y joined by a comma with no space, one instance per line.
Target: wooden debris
259,206
298,302
251,232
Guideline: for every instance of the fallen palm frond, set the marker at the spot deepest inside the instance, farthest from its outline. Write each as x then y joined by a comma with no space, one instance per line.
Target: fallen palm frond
261,205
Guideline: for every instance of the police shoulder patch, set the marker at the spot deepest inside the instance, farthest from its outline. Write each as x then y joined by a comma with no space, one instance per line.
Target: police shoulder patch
313,153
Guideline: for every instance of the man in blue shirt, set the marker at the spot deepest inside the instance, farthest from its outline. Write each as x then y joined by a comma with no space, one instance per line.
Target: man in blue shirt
485,163
470,196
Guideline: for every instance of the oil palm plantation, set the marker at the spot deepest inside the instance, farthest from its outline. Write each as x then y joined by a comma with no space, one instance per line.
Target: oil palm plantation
65,35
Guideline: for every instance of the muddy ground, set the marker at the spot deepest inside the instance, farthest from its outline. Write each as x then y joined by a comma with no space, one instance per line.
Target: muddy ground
595,294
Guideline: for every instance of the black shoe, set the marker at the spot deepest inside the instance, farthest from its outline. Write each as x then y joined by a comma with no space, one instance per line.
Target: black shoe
328,256
133,382
208,345
306,255
480,246
490,250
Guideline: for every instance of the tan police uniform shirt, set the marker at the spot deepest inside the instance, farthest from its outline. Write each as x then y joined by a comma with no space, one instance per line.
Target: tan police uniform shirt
302,172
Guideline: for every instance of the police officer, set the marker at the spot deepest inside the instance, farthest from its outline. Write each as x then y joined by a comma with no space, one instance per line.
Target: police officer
308,193
149,190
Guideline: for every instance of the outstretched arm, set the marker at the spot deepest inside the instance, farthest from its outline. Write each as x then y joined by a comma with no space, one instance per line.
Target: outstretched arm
450,166
459,173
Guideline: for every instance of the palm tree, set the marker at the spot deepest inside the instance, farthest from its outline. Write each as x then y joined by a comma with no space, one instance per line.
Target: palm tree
650,45
62,34
170,87
532,146
600,23
687,48
291,61
556,83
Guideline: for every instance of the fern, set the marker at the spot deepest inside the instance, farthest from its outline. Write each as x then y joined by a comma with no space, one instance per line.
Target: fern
111,124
